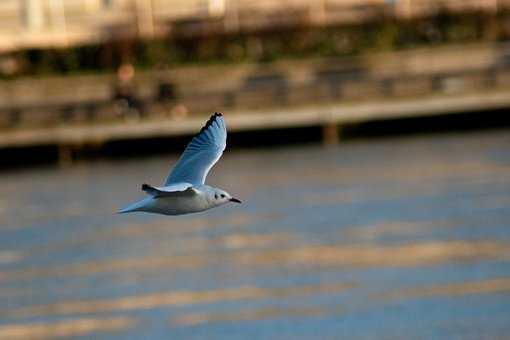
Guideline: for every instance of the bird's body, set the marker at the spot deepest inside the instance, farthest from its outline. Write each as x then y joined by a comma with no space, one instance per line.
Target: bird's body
194,199
184,191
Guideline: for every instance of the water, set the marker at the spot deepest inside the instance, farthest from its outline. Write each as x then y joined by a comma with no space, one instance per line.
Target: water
378,239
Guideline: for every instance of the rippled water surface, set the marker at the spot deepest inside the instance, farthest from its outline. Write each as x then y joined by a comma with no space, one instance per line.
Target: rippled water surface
402,238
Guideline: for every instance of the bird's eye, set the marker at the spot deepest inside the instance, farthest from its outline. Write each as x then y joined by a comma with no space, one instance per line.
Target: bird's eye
222,196
216,196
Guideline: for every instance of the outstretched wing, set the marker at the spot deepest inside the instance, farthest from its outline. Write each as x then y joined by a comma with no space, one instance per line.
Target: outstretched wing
180,190
201,154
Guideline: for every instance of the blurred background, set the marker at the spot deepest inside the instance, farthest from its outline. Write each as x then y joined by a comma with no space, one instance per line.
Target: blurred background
368,139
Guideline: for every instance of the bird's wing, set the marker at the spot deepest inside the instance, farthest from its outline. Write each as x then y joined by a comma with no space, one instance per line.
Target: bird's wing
177,190
201,154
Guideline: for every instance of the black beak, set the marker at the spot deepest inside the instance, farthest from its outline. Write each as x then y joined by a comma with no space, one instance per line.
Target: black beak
235,200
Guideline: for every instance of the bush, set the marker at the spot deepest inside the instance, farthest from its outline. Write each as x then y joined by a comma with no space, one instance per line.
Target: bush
385,34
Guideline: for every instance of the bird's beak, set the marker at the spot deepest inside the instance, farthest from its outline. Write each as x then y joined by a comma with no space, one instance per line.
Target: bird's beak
235,200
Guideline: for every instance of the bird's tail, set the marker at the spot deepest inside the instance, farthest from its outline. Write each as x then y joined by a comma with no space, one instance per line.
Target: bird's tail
136,206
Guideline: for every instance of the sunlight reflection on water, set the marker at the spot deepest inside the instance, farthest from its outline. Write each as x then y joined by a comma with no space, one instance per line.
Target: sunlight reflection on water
399,238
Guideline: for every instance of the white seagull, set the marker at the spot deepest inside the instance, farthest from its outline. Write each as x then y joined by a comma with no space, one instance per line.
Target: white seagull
184,190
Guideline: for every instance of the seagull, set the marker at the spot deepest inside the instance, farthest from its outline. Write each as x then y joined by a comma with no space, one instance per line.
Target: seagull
185,191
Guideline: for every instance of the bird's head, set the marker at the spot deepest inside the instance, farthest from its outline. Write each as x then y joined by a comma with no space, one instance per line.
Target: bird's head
221,197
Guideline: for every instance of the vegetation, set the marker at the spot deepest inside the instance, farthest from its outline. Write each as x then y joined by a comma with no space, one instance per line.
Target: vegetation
385,34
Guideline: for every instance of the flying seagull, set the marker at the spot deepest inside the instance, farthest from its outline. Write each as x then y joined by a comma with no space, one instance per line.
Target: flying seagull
185,190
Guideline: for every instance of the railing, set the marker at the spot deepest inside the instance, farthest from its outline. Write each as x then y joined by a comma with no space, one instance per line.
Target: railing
96,99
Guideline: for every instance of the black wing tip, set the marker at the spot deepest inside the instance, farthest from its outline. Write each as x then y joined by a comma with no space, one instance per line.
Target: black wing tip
211,120
145,187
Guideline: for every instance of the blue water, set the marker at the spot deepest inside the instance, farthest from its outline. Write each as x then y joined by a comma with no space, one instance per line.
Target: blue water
377,239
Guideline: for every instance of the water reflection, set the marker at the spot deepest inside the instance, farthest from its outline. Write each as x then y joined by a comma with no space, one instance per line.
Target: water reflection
64,329
175,298
373,233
